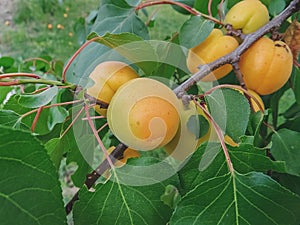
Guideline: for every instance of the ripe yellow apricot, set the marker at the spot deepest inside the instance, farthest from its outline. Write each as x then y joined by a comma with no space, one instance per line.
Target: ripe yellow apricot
108,77
128,154
254,105
266,66
247,15
213,47
185,142
143,114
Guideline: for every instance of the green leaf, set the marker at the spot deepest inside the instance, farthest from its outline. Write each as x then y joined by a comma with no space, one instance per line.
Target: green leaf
209,161
194,31
38,100
132,47
55,149
292,112
289,181
56,115
276,6
9,118
296,89
285,147
133,2
189,3
115,203
253,199
231,110
171,197
195,122
6,62
30,192
80,146
83,156
3,93
121,18
202,6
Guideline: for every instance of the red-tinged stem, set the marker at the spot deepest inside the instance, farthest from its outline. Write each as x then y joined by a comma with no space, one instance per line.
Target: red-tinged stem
220,10
36,118
104,150
53,105
101,128
184,6
237,87
209,8
220,136
72,123
10,83
39,90
9,75
74,56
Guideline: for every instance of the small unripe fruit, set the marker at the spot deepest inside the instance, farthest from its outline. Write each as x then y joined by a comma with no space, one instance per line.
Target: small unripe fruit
247,15
108,77
213,47
266,66
143,114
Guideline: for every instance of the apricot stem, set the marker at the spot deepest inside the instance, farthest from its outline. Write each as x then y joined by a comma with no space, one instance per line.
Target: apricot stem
74,56
238,74
182,5
36,118
232,86
13,82
220,136
49,106
72,123
104,150
9,75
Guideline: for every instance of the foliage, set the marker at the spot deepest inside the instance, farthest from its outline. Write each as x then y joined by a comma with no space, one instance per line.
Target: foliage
47,122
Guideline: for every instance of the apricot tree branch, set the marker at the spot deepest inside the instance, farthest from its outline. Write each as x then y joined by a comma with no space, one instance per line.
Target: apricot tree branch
234,56
91,178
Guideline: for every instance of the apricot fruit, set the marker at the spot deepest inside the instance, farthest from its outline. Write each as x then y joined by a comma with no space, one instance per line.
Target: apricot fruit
143,114
266,66
185,141
247,15
213,47
108,77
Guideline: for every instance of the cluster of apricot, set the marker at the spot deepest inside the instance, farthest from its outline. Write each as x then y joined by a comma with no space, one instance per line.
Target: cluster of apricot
145,114
266,65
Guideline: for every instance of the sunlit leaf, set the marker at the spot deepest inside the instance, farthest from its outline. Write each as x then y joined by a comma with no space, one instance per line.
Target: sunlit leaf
38,100
194,31
132,47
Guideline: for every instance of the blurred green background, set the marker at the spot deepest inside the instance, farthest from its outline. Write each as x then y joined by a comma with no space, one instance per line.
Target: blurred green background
57,27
